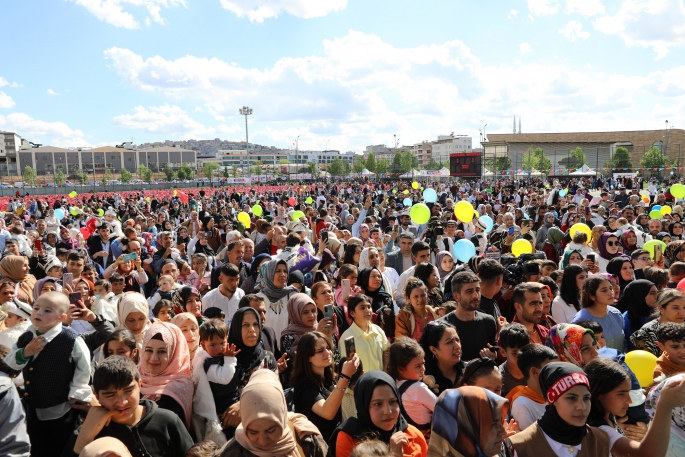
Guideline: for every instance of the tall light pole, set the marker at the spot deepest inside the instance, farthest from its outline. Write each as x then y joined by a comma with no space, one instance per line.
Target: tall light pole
247,111
326,145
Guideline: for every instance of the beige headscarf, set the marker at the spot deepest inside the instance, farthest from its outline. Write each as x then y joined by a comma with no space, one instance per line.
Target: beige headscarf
105,447
11,267
131,302
263,398
180,319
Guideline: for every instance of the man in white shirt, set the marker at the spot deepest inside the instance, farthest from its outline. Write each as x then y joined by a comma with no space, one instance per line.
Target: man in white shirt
420,252
227,296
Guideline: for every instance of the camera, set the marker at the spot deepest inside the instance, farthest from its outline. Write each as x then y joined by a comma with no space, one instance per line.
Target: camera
515,269
434,229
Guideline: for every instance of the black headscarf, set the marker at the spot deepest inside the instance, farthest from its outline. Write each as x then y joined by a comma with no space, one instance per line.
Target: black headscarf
362,425
249,357
614,268
633,301
381,301
550,422
206,249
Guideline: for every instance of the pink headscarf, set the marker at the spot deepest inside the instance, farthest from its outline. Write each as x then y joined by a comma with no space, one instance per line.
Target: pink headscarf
175,381
296,328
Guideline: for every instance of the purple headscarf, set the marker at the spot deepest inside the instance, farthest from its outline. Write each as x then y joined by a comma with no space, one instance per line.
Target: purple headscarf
601,246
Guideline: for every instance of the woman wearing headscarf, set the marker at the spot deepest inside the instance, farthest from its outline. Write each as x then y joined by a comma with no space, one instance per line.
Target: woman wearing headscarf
165,370
639,301
248,286
468,421
443,260
303,319
323,271
187,299
371,282
191,331
245,334
264,408
608,247
378,417
572,343
571,257
15,268
552,245
276,293
675,229
621,268
629,241
132,313
543,230
670,308
673,253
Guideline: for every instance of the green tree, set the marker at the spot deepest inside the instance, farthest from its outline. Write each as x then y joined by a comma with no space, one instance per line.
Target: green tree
621,159
382,165
654,158
125,176
144,173
82,176
579,155
432,165
208,170
284,161
29,176
312,167
536,160
107,176
256,167
397,159
406,161
337,168
59,177
346,167
169,172
414,159
234,172
371,163
359,163
185,172
499,164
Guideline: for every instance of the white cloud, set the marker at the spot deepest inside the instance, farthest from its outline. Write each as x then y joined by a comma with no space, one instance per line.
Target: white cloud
359,90
4,82
512,14
169,120
543,7
656,24
52,92
525,48
573,31
6,101
259,10
584,7
112,11
29,128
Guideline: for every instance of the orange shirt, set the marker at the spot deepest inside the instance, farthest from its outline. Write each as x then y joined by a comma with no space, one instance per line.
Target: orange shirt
416,447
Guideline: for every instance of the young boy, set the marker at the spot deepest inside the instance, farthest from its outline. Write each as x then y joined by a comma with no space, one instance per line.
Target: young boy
53,268
597,329
144,428
89,272
671,340
164,290
527,402
105,304
118,284
512,337
56,367
214,367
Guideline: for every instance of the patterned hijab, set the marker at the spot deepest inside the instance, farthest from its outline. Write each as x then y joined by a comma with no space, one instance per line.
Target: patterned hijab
180,297
267,273
566,339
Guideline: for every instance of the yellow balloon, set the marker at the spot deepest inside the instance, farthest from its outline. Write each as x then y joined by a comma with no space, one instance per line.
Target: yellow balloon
642,363
476,215
666,210
244,218
580,227
464,211
414,185
521,247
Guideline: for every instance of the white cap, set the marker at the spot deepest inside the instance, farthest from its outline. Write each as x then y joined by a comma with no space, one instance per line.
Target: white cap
17,308
299,228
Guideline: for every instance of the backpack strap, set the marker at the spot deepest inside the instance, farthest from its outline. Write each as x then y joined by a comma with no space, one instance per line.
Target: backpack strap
401,390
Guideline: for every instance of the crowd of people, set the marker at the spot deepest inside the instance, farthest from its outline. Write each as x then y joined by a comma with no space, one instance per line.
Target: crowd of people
347,319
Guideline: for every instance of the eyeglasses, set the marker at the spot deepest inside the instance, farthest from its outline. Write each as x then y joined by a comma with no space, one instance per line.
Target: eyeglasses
644,259
612,243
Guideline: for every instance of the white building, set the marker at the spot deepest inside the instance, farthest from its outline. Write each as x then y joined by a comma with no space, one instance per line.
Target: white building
449,144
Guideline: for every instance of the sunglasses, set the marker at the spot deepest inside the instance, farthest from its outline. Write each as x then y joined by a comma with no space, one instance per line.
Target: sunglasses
612,243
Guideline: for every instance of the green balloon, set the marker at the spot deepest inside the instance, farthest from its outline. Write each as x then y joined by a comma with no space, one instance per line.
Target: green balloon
74,211
420,214
677,190
309,200
654,214
257,210
101,212
297,215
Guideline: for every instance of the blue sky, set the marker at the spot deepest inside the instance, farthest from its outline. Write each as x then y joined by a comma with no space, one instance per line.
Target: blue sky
350,72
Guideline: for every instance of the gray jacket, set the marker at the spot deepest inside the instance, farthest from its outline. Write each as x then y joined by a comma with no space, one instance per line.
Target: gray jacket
395,260
14,440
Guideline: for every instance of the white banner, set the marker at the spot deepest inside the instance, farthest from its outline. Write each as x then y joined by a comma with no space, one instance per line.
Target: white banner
300,176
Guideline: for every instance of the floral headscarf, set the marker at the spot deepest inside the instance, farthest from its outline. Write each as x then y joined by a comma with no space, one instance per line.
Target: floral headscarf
566,339
672,250
624,240
678,414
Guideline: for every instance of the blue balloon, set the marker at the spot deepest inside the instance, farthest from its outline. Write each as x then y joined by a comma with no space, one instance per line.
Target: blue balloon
562,192
464,250
59,214
430,196
656,208
407,202
489,223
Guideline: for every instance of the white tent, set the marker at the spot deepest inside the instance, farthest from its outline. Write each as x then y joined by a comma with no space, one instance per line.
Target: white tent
523,173
488,173
365,172
583,171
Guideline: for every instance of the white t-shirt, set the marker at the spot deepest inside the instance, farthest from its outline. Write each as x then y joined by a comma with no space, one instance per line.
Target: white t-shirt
419,402
562,312
215,298
526,411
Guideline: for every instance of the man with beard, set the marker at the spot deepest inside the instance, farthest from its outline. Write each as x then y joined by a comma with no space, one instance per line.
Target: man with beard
477,330
528,305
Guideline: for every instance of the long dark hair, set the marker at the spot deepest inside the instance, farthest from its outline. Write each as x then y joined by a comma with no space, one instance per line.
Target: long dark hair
590,288
569,291
350,250
302,368
423,272
604,375
431,336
